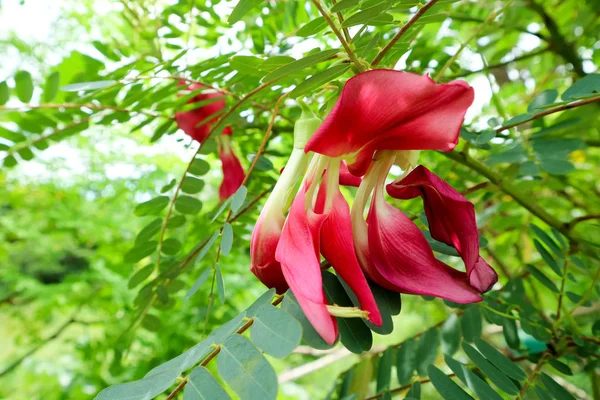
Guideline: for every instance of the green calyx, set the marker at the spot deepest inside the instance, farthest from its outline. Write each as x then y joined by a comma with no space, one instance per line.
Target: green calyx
305,126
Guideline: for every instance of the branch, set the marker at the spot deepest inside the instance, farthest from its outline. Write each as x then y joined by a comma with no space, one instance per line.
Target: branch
502,64
469,18
341,18
401,32
339,35
570,225
549,111
531,377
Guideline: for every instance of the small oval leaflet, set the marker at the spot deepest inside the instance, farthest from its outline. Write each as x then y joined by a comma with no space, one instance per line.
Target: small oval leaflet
238,198
220,284
300,64
188,205
275,332
203,386
151,207
24,86
201,279
246,370
503,363
226,239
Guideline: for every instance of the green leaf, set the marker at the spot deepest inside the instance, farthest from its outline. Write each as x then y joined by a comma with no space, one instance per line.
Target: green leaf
152,323
543,279
473,382
24,86
140,251
4,93
51,87
451,333
414,393
149,231
309,335
188,205
161,130
237,200
384,370
364,16
176,221
446,386
320,79
86,86
543,99
168,186
197,284
220,284
471,323
354,334
586,86
226,239
548,241
247,65
511,334
490,371
202,386
299,65
142,389
199,167
427,350
140,276
406,361
245,370
502,362
556,390
275,332
312,27
241,9
171,247
206,247
542,393
547,257
344,4
557,167
192,185
560,367
151,207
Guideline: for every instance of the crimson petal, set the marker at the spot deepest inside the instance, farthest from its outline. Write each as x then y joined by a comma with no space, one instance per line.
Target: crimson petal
451,220
298,252
233,172
187,120
394,110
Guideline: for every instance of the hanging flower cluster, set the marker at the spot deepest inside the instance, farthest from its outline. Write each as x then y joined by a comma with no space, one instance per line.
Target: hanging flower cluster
382,118
197,124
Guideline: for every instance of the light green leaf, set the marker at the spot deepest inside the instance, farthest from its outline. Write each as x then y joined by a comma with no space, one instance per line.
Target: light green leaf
246,371
366,15
241,9
23,86
199,167
318,80
85,86
275,332
192,185
51,87
238,198
312,27
344,4
202,386
143,389
151,207
4,93
226,239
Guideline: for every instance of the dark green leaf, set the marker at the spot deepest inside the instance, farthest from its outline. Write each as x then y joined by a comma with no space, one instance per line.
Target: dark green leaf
309,335
161,130
494,374
561,367
548,241
142,389
24,86
188,205
384,370
543,99
543,279
318,80
176,221
542,393
406,361
511,335
451,333
151,207
245,370
149,231
300,64
199,167
168,186
586,86
427,350
275,332
152,323
141,250
414,393
556,390
471,323
171,247
446,386
192,185
547,257
502,362
202,386
248,65
473,382
140,276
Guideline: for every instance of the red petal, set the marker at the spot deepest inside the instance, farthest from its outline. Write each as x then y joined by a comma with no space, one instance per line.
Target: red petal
405,260
233,172
298,253
187,121
451,220
337,246
263,244
346,178
385,109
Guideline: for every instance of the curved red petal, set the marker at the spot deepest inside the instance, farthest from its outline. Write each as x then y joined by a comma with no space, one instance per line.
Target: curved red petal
298,253
233,173
346,178
451,220
187,121
263,245
403,257
337,246
385,109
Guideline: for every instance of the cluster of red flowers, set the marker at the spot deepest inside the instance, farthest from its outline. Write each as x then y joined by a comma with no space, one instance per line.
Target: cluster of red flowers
382,118
197,124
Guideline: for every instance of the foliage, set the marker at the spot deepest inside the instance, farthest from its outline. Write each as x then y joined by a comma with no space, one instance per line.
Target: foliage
124,277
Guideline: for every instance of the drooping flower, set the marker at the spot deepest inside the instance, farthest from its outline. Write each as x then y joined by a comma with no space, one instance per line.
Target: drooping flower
383,118
318,223
197,122
233,172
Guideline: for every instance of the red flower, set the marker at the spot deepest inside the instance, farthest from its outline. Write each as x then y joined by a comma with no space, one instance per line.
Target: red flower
188,121
233,172
391,110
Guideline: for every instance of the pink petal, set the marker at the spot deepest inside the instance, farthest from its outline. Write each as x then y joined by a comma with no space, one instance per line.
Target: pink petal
451,220
263,245
346,178
405,260
298,253
337,246
233,172
385,109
